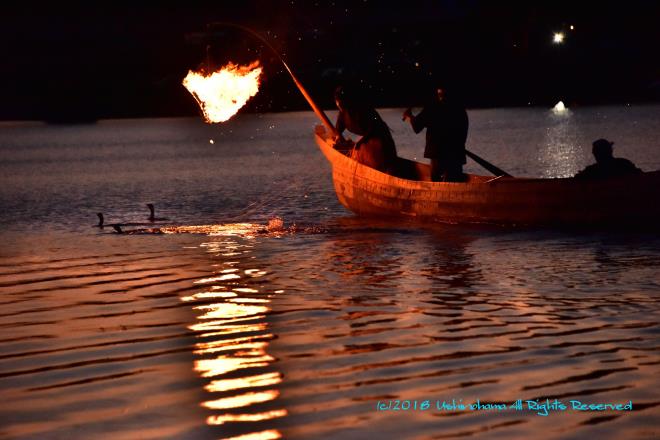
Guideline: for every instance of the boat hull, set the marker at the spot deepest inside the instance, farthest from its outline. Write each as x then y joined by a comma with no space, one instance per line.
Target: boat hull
485,199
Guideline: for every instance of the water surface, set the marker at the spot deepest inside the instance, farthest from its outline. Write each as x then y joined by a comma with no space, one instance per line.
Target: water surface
239,323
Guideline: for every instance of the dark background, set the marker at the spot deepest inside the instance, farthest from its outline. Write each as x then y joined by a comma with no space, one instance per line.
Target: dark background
70,62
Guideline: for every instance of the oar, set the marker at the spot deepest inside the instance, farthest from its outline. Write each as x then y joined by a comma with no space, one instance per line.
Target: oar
489,166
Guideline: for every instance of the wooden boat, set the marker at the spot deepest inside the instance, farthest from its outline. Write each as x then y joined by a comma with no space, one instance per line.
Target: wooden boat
631,200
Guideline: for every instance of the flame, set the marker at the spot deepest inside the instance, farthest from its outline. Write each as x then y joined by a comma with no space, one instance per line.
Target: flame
221,94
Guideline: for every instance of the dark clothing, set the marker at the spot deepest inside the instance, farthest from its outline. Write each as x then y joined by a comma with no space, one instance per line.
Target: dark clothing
614,167
376,148
442,172
446,131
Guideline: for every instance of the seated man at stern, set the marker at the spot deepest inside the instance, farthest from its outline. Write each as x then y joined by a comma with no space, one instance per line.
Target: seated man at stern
606,164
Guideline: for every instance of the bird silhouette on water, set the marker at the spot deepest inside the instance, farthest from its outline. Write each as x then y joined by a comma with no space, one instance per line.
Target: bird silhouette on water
118,226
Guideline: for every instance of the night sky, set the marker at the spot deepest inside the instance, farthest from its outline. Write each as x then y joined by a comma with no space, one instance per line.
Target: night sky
82,61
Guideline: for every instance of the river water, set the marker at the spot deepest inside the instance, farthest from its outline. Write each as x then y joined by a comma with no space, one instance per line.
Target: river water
263,309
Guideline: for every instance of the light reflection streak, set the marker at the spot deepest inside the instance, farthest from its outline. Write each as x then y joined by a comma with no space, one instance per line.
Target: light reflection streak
242,400
229,310
249,300
247,230
260,380
224,329
226,364
270,434
225,342
219,420
560,154
207,295
251,346
225,277
233,333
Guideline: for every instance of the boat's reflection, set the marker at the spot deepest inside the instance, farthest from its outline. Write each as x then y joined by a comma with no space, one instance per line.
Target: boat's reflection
233,338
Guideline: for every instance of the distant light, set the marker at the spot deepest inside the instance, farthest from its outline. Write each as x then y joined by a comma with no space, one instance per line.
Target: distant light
558,38
559,108
211,141
572,27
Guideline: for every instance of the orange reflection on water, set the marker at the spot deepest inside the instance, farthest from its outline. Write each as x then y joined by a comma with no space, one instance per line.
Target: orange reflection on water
247,230
229,310
225,364
234,335
251,347
242,400
260,380
222,328
268,415
249,300
246,290
207,295
224,277
202,347
271,434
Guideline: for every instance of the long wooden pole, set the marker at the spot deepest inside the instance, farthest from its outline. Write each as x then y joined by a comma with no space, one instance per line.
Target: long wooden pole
317,110
323,117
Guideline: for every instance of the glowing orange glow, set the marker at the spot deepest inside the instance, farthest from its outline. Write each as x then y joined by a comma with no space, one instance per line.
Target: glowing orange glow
222,327
250,346
255,272
246,290
271,434
224,364
249,300
219,420
260,380
242,400
229,310
225,277
221,94
207,295
201,346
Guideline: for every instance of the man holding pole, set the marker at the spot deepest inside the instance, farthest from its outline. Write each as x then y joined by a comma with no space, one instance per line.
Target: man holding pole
446,124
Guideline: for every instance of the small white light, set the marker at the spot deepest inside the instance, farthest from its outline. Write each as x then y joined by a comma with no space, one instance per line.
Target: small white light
572,27
559,108
211,141
558,38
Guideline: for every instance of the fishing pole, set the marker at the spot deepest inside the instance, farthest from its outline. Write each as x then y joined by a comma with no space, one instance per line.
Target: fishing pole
317,110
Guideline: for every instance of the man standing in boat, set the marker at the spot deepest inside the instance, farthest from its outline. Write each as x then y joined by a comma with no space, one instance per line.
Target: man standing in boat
446,124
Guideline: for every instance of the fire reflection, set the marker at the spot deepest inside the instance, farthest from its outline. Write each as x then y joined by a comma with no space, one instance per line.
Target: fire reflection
242,400
219,420
226,364
233,339
229,310
271,434
244,382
